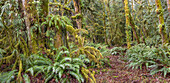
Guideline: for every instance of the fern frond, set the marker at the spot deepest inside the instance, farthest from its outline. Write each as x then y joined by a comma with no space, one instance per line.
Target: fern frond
8,58
88,75
91,57
19,78
70,29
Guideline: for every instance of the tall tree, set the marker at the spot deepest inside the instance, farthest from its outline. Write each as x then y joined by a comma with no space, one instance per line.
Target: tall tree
128,32
129,24
27,16
105,8
162,29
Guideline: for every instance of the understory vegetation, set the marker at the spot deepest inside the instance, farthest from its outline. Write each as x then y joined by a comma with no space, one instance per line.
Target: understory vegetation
64,41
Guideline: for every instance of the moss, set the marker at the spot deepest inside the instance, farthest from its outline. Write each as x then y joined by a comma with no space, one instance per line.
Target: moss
127,24
161,26
88,75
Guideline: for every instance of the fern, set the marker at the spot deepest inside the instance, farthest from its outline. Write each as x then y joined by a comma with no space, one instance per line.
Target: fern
58,68
88,75
117,51
155,58
7,77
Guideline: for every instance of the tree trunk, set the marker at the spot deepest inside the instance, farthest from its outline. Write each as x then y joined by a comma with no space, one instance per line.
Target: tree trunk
128,31
45,8
27,21
133,28
77,9
104,20
162,30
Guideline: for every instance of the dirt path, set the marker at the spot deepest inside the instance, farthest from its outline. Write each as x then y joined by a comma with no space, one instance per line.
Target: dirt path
121,74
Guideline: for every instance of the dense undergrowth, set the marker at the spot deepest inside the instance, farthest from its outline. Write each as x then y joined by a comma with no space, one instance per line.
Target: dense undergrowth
154,59
63,40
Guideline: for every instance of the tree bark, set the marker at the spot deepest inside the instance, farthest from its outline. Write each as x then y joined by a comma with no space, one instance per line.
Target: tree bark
27,21
77,9
162,29
133,28
128,31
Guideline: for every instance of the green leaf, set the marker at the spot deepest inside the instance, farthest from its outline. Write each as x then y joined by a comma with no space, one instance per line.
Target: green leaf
154,71
165,72
68,65
65,59
60,73
42,62
62,66
26,78
77,60
76,66
54,69
75,75
56,64
6,77
57,70
77,70
39,69
49,69
47,33
49,77
61,53
81,77
56,79
64,80
30,70
43,23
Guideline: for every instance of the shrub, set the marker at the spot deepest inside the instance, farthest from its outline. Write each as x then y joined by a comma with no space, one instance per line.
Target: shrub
156,58
61,68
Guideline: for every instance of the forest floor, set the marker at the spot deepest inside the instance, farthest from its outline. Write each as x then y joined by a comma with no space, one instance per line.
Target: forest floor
119,73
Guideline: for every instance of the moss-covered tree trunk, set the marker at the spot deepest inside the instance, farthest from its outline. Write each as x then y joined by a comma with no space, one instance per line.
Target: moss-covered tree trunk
43,14
128,31
105,8
27,17
162,29
132,24
45,8
77,8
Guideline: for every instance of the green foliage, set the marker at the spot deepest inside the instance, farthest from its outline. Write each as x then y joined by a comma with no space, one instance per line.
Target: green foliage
7,77
158,59
57,21
26,78
104,50
1,53
117,51
10,76
101,47
105,18
101,21
61,68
